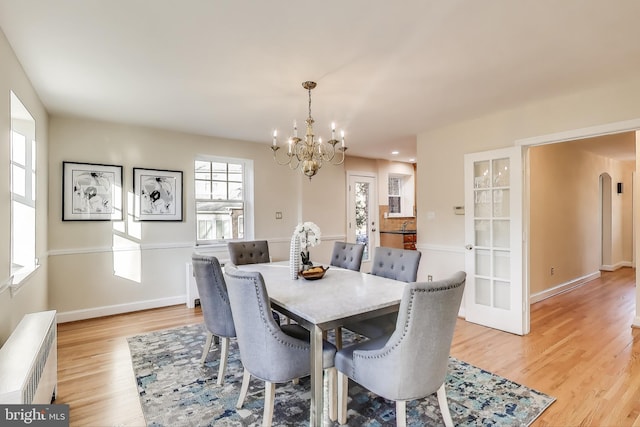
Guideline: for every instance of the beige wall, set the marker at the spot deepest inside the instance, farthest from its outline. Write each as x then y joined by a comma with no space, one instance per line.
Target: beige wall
106,267
441,159
32,295
381,169
565,214
127,265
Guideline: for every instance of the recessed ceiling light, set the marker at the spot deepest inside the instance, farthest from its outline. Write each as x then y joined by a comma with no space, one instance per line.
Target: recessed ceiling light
395,153
412,159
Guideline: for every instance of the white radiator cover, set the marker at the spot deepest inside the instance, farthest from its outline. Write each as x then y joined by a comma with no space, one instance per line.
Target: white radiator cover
29,361
192,288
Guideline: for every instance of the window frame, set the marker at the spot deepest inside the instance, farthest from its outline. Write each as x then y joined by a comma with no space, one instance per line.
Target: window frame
23,261
399,196
247,198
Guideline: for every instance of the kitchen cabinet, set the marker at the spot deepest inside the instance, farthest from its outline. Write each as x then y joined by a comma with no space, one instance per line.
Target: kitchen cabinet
398,239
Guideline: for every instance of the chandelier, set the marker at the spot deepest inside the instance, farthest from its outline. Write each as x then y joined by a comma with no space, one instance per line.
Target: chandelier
309,154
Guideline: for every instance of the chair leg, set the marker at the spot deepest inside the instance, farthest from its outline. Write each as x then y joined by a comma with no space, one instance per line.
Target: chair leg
224,355
269,402
207,347
339,338
444,406
401,413
246,377
332,374
343,391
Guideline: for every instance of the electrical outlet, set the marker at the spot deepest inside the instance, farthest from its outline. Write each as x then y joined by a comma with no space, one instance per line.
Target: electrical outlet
278,215
553,270
429,278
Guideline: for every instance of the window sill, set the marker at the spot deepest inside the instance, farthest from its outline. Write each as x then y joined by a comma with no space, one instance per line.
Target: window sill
20,277
211,245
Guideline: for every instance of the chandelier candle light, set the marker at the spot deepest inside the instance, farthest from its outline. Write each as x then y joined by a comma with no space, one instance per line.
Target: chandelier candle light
309,154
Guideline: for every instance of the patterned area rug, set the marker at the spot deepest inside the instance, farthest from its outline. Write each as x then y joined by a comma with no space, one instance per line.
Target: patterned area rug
175,390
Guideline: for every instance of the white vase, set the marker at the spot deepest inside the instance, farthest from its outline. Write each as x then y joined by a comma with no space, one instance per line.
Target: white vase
294,256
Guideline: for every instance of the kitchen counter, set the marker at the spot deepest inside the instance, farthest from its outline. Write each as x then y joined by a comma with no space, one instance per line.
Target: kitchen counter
398,231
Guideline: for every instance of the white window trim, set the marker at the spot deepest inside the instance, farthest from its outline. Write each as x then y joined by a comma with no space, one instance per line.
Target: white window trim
400,195
19,277
248,190
406,201
23,123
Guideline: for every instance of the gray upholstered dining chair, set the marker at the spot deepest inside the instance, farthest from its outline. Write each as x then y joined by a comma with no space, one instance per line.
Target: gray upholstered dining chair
268,351
216,309
410,363
392,263
249,252
347,255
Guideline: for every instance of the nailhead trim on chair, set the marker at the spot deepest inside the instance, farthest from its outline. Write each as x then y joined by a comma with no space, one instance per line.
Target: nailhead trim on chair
406,325
262,315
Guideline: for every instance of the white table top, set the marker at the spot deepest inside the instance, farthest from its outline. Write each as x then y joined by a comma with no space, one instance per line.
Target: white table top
339,295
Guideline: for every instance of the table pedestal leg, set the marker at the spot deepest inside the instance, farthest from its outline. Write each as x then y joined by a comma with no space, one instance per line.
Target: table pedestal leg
316,378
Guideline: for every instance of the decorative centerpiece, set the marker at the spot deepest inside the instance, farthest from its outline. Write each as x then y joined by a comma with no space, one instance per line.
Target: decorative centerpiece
309,235
314,273
305,235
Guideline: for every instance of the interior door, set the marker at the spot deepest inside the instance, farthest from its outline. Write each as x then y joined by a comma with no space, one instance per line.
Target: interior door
496,292
362,215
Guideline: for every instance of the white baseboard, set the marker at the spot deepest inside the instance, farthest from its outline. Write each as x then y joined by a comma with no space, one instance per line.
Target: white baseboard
564,287
89,313
636,322
617,266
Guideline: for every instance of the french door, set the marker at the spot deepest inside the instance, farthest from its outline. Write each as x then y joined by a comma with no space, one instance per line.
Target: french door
362,215
496,292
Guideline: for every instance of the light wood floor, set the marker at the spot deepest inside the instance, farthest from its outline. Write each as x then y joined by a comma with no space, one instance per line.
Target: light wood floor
582,350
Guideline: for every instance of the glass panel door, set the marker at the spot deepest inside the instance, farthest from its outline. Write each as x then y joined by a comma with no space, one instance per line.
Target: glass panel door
494,290
363,215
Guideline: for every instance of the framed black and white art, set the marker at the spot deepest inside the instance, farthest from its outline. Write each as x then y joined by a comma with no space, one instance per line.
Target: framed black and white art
158,194
91,192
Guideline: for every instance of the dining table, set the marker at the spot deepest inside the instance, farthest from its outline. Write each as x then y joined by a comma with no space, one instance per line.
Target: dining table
339,297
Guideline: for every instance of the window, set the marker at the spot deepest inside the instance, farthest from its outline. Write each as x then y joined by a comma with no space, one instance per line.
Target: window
23,189
395,195
401,195
224,199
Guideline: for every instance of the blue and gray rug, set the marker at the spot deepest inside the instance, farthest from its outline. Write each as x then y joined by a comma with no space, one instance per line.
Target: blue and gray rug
175,390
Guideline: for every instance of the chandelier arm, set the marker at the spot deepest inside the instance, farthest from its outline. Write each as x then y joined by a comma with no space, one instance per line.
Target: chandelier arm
328,151
294,165
286,161
341,150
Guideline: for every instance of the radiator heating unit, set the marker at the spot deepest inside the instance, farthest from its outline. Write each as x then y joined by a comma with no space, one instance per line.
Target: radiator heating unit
29,361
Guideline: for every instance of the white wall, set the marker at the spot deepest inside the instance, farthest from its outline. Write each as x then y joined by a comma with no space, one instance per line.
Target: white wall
32,296
565,215
441,159
99,268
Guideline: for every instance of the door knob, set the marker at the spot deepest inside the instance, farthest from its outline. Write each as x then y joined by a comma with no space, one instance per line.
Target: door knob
373,229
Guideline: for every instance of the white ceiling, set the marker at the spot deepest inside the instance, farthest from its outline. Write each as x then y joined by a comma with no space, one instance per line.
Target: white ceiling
386,70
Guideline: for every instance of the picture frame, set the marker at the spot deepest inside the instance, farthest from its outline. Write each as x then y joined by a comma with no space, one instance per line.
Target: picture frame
91,192
157,194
